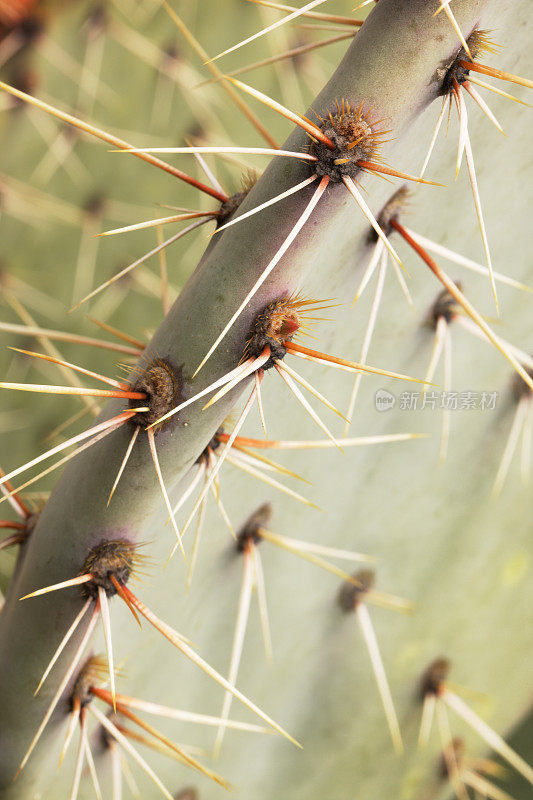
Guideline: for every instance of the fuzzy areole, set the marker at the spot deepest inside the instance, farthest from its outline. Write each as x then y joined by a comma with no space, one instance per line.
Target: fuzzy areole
250,530
392,210
114,557
211,447
160,383
445,307
352,133
479,43
93,670
350,594
276,325
433,677
519,387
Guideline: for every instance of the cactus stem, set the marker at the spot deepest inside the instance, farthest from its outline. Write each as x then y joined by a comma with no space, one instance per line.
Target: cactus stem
296,13
61,688
496,73
128,747
243,612
141,260
108,698
178,642
356,23
63,643
463,302
319,191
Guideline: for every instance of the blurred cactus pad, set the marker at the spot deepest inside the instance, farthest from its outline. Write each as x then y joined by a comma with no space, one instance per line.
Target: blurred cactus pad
348,501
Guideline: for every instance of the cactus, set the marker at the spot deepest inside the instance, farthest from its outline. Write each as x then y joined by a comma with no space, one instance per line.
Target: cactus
457,553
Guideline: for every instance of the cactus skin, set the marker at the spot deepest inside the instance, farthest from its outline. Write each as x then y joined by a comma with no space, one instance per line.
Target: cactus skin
303,668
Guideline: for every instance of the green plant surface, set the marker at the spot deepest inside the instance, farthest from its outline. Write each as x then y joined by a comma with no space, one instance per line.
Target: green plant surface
438,537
